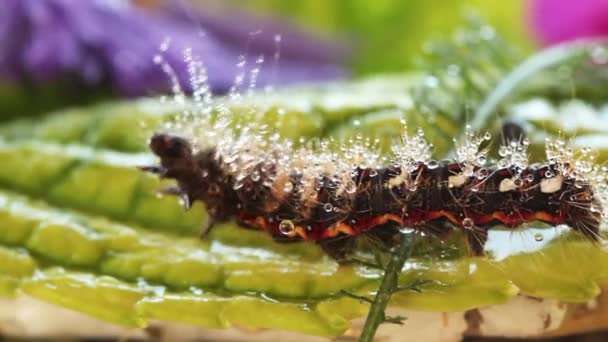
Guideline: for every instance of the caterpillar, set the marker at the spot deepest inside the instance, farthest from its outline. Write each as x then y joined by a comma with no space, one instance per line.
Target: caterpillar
331,194
329,197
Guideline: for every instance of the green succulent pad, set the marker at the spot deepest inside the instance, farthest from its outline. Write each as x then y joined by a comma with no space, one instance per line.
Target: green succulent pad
81,227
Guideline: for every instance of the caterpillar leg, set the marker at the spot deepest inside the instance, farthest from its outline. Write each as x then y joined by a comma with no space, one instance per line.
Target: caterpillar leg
383,238
476,239
338,248
440,230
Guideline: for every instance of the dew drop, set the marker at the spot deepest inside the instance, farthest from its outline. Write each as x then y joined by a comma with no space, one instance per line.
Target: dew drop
538,237
482,173
328,207
373,173
350,187
432,164
504,162
467,223
286,227
487,135
406,230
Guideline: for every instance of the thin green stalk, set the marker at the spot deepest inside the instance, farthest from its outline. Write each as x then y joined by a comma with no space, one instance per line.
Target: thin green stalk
376,315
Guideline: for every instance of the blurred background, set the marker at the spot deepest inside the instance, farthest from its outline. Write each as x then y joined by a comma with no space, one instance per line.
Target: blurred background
58,52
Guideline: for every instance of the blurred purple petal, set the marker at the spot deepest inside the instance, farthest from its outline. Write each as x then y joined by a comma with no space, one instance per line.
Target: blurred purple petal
295,45
114,42
556,21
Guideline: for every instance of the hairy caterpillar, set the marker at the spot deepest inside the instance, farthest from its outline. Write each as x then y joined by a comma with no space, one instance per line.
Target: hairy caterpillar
326,197
329,195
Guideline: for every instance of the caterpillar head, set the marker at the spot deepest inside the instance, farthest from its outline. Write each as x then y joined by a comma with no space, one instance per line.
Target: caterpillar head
199,175
170,147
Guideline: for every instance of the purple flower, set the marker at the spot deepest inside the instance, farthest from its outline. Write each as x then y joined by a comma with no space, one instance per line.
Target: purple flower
114,42
555,21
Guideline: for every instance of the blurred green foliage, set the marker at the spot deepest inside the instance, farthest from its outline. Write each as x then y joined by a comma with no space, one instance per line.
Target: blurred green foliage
387,35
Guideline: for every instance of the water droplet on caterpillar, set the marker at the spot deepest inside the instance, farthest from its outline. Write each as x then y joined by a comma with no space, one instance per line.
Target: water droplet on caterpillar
373,173
268,182
286,227
504,162
517,182
468,223
487,135
328,207
407,230
503,151
237,185
538,237
288,187
432,164
350,187
482,173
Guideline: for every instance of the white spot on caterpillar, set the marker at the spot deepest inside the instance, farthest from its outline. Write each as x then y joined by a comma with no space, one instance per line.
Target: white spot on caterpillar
456,181
396,181
551,185
507,184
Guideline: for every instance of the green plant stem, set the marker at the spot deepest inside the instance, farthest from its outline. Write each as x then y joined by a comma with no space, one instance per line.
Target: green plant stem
376,315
